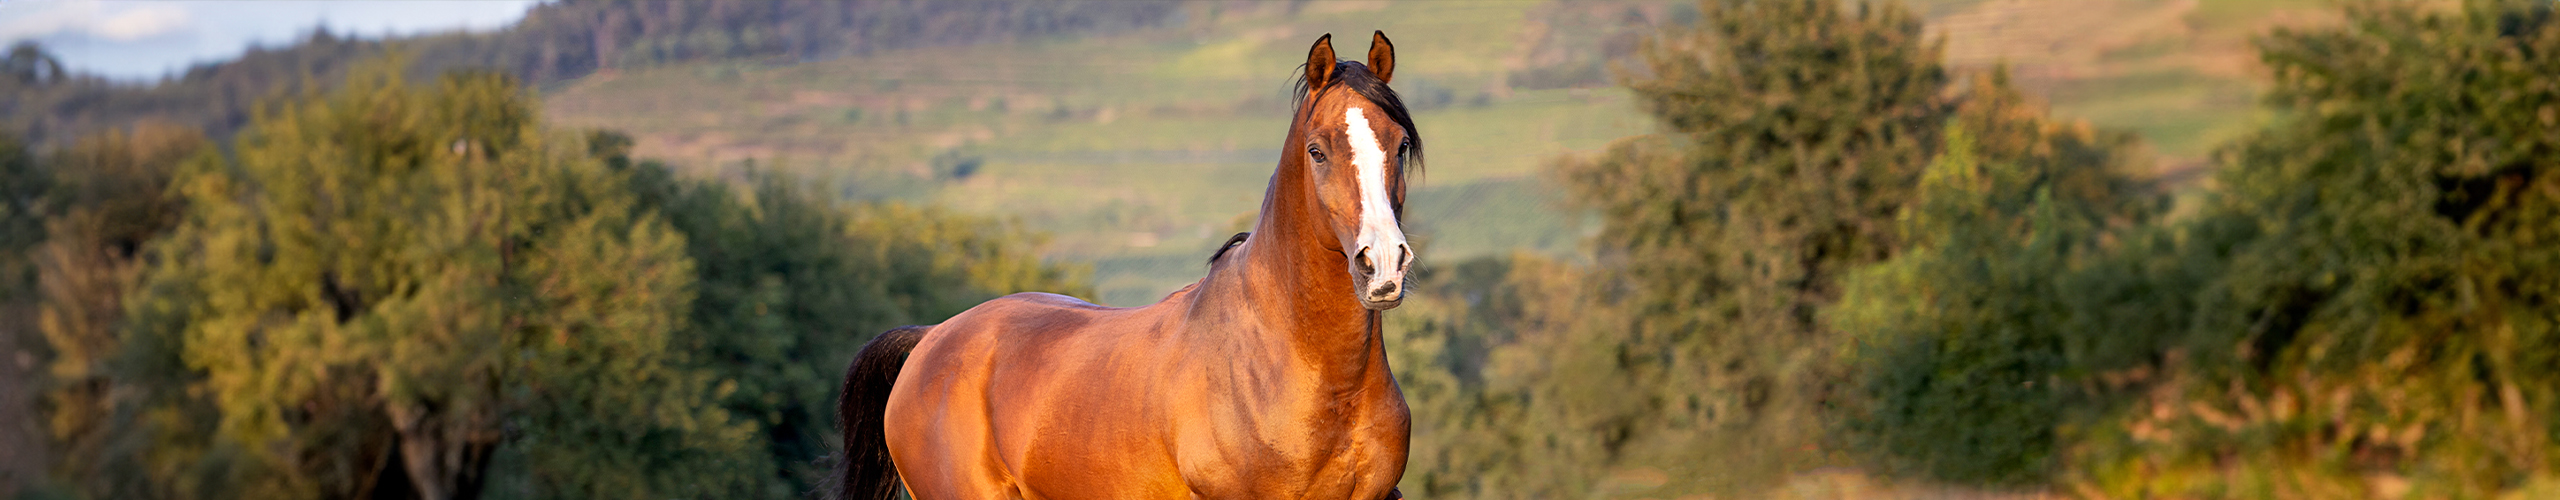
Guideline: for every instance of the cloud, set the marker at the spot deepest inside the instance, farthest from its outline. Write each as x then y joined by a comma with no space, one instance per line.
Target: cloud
148,39
141,23
40,20
89,18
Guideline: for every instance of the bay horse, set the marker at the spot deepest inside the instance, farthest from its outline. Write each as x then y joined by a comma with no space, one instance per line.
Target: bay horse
1266,379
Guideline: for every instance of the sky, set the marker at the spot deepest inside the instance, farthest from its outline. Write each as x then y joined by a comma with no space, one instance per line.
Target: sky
146,40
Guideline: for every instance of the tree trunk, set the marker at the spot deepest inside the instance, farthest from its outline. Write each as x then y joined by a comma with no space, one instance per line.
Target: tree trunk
445,460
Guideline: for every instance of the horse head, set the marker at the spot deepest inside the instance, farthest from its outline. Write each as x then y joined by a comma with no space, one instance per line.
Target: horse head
1357,140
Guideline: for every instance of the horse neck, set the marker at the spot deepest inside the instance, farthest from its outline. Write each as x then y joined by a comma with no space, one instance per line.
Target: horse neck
1290,276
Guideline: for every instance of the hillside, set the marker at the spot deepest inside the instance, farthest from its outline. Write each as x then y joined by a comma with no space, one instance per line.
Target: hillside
555,41
1143,148
1138,150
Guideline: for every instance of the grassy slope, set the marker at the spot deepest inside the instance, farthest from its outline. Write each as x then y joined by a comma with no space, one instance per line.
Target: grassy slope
2180,72
1142,150
1138,151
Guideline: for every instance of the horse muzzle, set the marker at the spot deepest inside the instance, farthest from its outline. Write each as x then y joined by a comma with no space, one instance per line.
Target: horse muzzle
1380,268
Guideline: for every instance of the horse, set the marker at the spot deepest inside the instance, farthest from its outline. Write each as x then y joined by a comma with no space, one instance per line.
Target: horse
1267,378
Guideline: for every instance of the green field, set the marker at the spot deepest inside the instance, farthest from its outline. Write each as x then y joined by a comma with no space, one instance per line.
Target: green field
1139,151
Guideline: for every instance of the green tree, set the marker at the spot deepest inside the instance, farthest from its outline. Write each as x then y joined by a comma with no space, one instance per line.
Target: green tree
112,197
29,64
401,289
1961,341
24,201
1791,162
791,284
22,189
1793,134
1494,355
397,288
2384,322
1794,131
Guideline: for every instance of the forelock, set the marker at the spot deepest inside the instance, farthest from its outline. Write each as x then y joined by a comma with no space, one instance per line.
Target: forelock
1356,76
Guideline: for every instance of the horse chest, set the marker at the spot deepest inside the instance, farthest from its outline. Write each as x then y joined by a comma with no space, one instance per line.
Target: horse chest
1354,449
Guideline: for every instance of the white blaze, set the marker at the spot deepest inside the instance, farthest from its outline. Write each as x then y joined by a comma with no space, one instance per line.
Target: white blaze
1371,160
1379,233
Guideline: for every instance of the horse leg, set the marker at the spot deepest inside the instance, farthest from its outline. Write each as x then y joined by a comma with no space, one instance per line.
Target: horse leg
935,425
941,465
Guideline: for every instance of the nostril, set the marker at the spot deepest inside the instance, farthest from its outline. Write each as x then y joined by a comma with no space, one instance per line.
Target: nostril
1407,258
1361,261
1382,291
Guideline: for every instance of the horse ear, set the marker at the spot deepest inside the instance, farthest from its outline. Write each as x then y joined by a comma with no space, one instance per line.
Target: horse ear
1382,57
1320,63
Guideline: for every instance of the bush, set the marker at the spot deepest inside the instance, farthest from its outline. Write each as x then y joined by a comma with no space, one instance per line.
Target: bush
1961,340
2381,323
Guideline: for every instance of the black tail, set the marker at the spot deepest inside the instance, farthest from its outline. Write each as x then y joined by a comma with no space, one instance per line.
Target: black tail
863,470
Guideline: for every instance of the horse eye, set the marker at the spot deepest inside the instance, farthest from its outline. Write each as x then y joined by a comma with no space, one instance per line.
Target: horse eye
1317,153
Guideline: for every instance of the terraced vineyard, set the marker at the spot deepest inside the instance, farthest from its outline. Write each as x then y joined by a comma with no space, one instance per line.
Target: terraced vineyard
1140,151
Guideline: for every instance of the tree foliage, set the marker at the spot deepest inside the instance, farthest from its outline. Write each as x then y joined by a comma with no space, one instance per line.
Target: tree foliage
1788,183
1961,343
28,64
791,285
1792,133
23,205
1498,361
404,290
392,280
23,186
2361,309
567,39
2384,321
110,196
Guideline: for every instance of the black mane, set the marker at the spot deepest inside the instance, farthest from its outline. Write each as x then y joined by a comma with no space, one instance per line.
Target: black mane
1232,241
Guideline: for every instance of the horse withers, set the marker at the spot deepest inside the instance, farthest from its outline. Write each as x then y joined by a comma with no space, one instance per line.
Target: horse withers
1265,379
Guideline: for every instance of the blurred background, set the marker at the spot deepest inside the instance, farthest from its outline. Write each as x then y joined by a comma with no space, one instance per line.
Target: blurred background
1669,249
